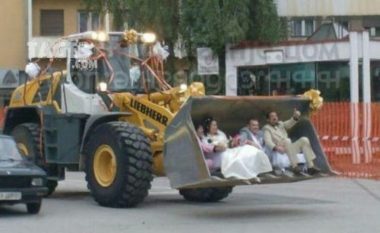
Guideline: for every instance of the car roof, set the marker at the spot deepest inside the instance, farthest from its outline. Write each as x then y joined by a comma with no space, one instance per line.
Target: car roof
2,136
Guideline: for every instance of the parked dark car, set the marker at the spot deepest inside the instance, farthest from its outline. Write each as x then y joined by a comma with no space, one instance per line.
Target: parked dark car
20,180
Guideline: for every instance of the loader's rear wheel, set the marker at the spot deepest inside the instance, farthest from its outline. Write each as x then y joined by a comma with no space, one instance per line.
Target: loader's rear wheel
28,141
27,137
118,165
206,194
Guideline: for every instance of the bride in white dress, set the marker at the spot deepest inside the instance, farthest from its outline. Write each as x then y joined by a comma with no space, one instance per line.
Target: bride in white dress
242,162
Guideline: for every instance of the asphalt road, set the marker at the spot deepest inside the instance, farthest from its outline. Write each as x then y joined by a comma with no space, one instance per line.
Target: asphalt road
330,205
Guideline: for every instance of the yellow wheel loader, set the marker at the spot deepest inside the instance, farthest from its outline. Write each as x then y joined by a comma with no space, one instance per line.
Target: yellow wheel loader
112,115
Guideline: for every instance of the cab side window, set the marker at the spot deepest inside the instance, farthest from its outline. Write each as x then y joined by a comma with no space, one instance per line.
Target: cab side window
84,75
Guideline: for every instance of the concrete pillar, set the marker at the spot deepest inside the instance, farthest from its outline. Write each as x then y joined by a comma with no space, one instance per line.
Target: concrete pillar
354,96
366,69
354,73
367,114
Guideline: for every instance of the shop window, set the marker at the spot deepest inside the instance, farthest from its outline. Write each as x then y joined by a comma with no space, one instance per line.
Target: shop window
334,81
375,81
289,79
292,79
253,81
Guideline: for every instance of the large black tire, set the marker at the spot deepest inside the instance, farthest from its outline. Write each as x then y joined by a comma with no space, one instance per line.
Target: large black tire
206,194
133,174
28,134
51,185
34,208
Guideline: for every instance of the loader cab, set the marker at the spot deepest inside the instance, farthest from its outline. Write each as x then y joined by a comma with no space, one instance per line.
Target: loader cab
112,63
119,67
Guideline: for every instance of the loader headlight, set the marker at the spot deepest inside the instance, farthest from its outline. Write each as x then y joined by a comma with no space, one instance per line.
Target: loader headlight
37,182
183,87
102,86
148,37
100,36
94,35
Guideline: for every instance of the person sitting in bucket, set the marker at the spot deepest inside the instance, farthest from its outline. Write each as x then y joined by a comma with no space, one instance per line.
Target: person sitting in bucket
276,139
241,162
251,134
209,150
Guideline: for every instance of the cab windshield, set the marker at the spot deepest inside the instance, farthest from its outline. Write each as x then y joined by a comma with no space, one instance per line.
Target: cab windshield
115,63
8,150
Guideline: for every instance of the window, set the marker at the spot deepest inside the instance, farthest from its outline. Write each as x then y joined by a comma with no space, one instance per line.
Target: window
52,23
331,78
375,80
284,79
302,27
88,21
309,27
292,79
375,31
297,28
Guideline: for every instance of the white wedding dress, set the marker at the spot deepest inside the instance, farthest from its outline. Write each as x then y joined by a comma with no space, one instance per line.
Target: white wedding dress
242,162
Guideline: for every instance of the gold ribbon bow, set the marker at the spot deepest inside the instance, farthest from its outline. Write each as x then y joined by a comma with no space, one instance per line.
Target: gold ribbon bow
131,36
316,101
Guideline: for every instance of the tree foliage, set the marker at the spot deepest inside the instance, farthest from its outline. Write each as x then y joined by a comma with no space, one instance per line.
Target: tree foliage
265,24
211,23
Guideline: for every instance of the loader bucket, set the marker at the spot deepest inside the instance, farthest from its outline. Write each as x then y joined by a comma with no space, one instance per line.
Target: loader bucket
183,158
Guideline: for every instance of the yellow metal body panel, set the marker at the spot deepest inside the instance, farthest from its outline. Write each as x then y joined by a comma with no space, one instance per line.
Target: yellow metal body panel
25,94
153,112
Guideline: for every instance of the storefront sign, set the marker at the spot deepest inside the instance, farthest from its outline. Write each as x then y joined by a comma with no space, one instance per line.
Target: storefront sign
208,63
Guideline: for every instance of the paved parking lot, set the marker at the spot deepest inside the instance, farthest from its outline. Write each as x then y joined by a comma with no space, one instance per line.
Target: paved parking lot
321,205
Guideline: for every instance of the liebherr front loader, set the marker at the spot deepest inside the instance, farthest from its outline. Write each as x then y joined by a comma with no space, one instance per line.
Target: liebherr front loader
112,115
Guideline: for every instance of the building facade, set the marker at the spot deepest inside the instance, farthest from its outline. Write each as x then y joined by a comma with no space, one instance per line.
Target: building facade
31,28
332,45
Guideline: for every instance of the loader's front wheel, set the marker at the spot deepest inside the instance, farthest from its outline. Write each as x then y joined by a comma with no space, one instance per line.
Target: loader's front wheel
206,194
118,165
